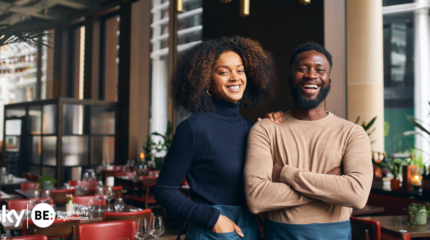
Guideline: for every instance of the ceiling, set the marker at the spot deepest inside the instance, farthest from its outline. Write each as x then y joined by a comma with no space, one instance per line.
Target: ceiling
45,14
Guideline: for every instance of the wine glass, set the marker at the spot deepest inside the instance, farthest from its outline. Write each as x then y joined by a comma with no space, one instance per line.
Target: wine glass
6,237
34,199
157,228
99,197
46,197
108,195
119,204
90,205
141,228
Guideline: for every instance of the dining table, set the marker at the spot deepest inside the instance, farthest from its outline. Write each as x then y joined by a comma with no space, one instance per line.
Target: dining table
91,217
367,210
399,224
27,193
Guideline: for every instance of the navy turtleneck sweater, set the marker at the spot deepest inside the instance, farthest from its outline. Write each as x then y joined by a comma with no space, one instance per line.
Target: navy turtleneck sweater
209,150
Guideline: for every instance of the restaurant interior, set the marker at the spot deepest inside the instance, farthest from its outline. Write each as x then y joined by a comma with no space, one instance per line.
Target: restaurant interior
87,115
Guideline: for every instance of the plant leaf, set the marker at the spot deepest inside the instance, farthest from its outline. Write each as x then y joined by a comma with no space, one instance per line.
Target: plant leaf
414,122
370,123
356,121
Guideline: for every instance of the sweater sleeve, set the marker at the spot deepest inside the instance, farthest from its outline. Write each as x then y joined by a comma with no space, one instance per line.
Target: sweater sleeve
351,189
261,193
176,165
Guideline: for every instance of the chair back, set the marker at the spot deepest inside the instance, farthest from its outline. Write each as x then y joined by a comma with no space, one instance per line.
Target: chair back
107,230
34,178
125,174
82,200
109,173
365,229
74,183
121,216
25,174
18,204
406,237
34,237
149,182
117,191
29,186
59,196
58,229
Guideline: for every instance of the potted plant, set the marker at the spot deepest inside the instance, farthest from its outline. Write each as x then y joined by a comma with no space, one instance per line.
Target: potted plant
157,151
69,204
395,167
46,182
418,213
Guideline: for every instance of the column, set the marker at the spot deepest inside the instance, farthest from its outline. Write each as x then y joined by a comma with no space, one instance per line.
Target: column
422,71
365,66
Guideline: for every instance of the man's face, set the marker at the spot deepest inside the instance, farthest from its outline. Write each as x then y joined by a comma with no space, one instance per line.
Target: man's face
310,79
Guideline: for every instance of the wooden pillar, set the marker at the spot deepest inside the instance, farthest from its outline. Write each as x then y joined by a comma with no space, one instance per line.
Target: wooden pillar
92,57
123,111
365,65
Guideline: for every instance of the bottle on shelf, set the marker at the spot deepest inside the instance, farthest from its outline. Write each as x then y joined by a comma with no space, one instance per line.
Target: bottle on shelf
384,161
425,183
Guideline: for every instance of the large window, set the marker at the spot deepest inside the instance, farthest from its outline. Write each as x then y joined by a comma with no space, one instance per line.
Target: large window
398,34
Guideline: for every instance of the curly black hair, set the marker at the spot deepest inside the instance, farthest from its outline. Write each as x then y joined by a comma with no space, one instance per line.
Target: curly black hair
193,72
308,47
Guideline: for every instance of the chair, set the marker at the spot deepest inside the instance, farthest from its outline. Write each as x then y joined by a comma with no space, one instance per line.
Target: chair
116,190
109,173
29,186
25,174
148,199
121,216
74,183
107,230
59,229
34,237
34,178
82,200
59,196
19,204
371,230
154,173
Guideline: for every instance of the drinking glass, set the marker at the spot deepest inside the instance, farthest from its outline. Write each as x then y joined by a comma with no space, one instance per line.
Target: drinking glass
157,226
90,205
119,204
6,237
141,228
10,177
35,199
108,195
99,197
46,197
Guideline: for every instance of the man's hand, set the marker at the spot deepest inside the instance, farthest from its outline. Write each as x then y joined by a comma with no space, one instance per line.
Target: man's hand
337,172
274,116
276,172
225,225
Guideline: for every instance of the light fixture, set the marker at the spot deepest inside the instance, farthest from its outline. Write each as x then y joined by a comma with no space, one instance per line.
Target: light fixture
179,6
305,2
244,8
225,1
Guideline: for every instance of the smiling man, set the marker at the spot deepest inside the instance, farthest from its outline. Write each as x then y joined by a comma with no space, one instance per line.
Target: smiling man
293,170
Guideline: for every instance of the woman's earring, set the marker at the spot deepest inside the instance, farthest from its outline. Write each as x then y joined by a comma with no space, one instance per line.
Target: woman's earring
210,91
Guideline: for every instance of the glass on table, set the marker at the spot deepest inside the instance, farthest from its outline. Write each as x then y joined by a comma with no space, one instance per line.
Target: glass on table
157,226
99,197
119,204
10,177
108,195
46,197
91,205
34,197
141,228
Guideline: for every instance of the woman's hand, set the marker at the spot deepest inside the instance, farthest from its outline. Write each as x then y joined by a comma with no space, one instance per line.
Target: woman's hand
225,225
274,116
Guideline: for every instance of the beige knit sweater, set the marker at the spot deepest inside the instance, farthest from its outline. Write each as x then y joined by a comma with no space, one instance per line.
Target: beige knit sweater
307,151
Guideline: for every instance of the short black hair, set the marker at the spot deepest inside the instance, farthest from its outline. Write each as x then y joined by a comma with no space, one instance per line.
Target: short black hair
308,47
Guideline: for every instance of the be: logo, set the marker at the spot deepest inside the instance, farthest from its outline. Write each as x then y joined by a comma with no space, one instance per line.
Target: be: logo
43,215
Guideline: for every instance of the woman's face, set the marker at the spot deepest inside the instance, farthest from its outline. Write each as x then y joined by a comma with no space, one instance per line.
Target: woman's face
229,79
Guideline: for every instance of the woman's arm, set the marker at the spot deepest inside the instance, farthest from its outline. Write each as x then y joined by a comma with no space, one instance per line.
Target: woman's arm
175,167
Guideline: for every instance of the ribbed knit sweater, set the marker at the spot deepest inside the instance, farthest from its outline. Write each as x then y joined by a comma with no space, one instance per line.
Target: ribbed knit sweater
208,149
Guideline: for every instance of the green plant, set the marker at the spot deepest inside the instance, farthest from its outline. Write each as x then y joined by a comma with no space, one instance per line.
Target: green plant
10,34
413,208
393,165
367,127
149,144
47,178
167,137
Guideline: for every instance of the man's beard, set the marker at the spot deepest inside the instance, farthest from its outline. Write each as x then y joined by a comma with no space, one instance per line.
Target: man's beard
306,104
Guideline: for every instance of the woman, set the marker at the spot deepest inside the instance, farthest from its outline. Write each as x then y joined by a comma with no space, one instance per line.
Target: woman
212,79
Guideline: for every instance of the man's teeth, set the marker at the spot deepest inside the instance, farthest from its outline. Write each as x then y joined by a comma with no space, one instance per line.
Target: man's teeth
234,87
311,86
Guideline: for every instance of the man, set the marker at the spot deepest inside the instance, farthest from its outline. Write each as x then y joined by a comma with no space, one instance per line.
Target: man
292,169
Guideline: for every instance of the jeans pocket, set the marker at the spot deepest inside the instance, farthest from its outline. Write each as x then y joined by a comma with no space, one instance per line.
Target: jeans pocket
230,235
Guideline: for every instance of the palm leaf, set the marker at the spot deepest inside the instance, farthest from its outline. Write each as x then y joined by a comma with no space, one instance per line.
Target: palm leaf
370,124
10,34
415,123
356,121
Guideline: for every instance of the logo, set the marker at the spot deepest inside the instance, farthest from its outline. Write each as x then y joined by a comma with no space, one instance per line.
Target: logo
8,215
43,215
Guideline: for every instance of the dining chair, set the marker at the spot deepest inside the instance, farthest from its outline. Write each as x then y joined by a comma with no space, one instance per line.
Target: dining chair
153,173
107,230
73,183
34,237
34,178
60,228
82,200
371,230
29,186
25,175
59,196
148,199
117,190
109,173
19,204
121,216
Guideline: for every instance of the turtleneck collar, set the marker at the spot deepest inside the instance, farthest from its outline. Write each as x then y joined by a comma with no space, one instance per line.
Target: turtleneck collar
226,110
